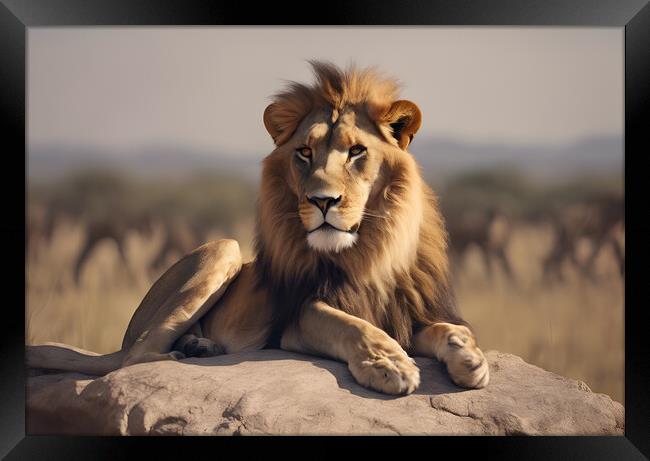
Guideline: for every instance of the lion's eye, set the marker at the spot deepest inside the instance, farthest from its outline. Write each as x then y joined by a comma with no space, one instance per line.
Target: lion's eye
304,153
357,150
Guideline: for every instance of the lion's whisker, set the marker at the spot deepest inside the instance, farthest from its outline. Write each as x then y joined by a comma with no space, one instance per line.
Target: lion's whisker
373,215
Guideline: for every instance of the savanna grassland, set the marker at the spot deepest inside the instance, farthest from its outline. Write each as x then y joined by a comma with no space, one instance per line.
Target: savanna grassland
573,326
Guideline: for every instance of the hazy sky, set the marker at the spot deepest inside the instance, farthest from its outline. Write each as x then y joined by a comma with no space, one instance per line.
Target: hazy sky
121,89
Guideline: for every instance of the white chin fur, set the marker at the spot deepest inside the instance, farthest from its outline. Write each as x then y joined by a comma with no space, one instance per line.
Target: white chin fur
331,240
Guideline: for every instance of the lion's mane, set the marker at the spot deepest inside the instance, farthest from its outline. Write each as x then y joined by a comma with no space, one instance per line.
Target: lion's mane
397,276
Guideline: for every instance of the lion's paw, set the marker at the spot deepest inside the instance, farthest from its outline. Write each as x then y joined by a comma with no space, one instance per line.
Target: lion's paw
201,347
388,372
466,364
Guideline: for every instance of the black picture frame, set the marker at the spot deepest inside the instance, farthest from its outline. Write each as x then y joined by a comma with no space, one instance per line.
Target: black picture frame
17,15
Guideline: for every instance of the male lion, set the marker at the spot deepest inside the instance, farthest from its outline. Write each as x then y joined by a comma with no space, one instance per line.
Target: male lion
351,253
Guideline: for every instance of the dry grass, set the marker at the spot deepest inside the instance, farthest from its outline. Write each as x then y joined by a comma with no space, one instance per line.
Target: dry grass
574,328
95,314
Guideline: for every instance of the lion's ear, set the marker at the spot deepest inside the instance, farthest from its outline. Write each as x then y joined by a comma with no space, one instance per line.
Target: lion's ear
404,119
281,121
271,127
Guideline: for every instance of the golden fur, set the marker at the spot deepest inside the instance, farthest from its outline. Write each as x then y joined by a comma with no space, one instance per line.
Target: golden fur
351,253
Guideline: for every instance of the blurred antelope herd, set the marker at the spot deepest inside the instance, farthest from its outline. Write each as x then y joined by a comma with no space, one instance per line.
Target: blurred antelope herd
538,266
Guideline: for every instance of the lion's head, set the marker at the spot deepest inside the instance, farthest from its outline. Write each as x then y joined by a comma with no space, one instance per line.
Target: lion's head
343,211
335,139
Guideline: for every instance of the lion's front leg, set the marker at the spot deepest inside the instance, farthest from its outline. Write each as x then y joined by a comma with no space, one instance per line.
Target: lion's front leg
454,345
375,359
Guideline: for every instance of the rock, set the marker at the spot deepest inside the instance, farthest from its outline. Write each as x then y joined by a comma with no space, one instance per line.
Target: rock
277,392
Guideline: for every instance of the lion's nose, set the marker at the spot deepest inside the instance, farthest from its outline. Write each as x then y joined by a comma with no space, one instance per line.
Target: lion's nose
323,203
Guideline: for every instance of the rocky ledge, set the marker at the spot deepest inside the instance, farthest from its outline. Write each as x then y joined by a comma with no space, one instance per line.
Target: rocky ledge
277,392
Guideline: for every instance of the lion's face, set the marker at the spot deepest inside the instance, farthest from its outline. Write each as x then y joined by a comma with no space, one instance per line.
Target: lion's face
334,168
333,142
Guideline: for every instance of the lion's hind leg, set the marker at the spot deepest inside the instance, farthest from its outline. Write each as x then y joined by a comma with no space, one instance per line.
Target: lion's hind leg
178,299
156,357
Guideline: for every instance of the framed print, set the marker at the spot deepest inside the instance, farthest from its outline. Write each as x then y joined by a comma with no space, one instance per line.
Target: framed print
380,221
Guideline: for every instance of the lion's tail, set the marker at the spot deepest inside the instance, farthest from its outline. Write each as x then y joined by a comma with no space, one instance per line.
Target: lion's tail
55,356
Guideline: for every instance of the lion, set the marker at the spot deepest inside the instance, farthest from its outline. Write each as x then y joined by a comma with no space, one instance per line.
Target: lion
351,253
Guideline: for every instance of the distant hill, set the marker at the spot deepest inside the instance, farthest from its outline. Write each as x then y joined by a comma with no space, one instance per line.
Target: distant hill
438,157
593,155
50,162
